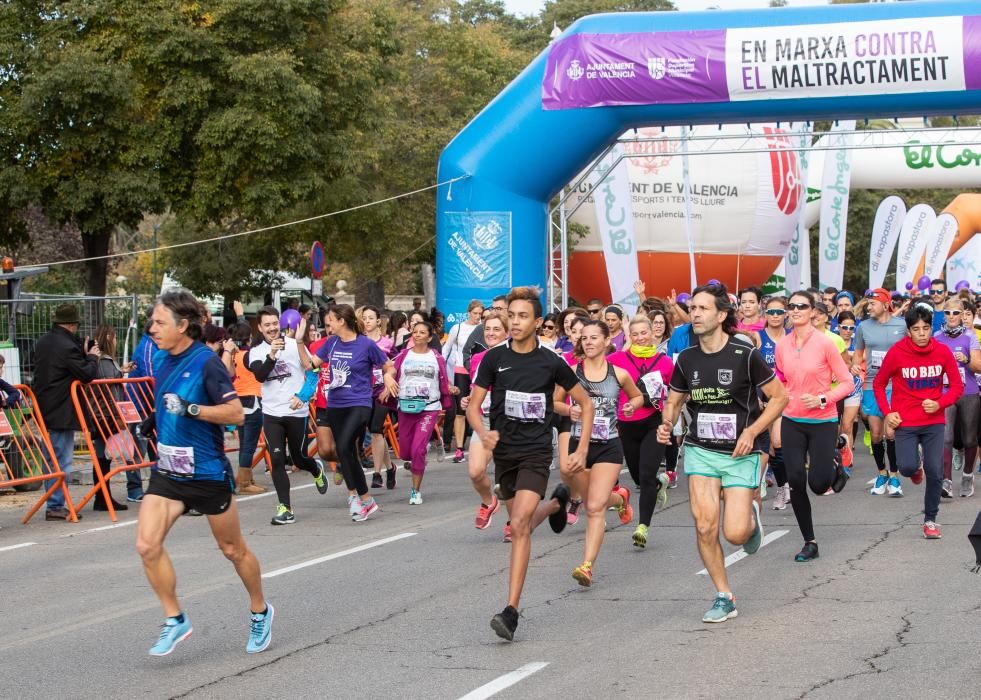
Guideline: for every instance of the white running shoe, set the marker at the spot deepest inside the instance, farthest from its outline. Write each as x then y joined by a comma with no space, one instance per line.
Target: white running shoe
957,460
782,497
967,485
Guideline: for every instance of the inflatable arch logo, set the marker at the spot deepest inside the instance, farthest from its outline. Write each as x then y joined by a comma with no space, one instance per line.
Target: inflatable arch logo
610,73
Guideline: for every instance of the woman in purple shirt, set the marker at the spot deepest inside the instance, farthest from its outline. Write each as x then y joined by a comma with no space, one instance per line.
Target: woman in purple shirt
614,321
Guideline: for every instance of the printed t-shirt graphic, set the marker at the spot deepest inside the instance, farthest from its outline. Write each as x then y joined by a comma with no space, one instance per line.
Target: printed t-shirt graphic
351,376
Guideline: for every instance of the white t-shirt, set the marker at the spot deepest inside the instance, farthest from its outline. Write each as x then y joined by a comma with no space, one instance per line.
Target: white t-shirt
453,350
285,380
419,379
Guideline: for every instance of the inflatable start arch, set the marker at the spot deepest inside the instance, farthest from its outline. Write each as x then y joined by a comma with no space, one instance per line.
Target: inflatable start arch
610,73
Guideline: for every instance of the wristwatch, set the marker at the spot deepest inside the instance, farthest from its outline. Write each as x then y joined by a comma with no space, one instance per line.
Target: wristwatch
193,410
824,400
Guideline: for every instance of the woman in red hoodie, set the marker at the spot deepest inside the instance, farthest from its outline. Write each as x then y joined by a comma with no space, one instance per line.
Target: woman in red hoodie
917,365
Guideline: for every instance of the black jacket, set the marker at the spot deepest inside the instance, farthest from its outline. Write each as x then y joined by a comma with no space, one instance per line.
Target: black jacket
59,360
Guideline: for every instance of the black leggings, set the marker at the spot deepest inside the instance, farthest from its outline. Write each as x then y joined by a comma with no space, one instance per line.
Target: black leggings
348,426
279,431
800,440
643,454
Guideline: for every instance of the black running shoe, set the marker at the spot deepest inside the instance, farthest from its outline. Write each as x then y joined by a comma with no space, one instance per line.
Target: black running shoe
505,623
559,519
841,477
376,480
808,552
390,478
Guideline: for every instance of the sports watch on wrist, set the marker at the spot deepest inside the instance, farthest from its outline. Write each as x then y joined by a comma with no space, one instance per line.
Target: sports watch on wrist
824,400
193,410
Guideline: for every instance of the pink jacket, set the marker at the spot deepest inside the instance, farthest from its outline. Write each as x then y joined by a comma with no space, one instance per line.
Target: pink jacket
811,371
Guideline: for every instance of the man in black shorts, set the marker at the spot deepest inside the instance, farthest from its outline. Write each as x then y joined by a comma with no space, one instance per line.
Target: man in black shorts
521,376
194,400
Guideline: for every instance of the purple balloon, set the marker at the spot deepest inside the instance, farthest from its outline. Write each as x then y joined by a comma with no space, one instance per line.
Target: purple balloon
683,298
714,281
867,292
963,284
290,319
924,283
909,286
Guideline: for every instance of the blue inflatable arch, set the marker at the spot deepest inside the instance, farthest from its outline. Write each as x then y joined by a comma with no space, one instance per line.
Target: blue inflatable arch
609,73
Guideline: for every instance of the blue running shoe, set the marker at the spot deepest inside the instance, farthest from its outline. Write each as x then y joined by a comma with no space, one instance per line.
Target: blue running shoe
880,485
260,631
172,633
722,609
755,541
894,488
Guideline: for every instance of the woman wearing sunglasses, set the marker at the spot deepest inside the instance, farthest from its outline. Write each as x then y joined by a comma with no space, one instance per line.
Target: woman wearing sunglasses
808,362
775,316
550,331
853,402
962,415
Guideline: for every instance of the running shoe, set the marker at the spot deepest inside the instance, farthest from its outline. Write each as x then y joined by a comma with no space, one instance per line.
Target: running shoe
415,498
560,518
957,460
917,477
771,480
947,489
320,481
841,478
672,479
376,480
173,632
894,488
284,516
847,456
931,530
338,476
584,574
507,532
723,608
458,456
367,509
967,485
390,478
260,631
640,536
808,552
572,516
782,498
139,499
486,513
880,485
867,440
250,489
755,541
625,511
662,492
505,623
353,504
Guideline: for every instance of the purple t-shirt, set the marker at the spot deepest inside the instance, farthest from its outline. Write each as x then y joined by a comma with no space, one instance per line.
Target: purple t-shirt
964,343
351,365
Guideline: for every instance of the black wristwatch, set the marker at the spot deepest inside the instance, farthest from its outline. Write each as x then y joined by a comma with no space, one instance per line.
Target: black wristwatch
193,410
824,400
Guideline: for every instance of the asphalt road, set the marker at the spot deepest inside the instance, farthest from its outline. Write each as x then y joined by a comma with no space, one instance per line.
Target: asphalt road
399,606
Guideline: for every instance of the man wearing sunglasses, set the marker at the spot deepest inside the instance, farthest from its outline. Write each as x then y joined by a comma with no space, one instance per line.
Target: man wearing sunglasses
873,339
595,307
938,297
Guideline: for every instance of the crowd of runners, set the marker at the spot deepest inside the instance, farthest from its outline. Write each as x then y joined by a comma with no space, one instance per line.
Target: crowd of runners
741,393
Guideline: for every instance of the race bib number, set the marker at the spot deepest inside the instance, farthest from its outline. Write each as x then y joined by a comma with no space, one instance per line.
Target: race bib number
875,358
601,429
653,384
415,389
717,426
176,460
527,408
377,377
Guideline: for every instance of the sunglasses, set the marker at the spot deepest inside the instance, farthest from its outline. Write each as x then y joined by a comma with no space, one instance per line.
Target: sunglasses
594,311
846,328
549,326
952,313
936,292
775,312
797,307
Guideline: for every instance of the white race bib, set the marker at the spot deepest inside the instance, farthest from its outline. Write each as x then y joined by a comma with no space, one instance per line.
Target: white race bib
415,388
176,460
527,408
716,426
875,358
654,385
377,377
601,429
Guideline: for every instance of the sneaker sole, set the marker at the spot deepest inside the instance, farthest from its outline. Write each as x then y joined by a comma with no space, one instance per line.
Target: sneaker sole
174,645
582,579
272,614
501,630
640,542
282,522
932,537
729,616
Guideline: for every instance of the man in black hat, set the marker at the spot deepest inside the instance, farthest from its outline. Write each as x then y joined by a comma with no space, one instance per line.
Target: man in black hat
60,360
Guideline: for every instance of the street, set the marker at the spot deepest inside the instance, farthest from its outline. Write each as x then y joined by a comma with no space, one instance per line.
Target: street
399,606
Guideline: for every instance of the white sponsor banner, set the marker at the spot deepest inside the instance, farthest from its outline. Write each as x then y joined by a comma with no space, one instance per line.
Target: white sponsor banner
805,261
616,229
912,242
794,260
885,234
835,183
940,239
965,264
923,54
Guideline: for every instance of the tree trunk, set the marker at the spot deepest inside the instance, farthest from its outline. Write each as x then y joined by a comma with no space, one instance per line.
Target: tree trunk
370,292
93,245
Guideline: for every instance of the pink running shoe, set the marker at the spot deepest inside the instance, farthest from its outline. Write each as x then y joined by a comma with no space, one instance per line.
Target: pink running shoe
485,513
572,514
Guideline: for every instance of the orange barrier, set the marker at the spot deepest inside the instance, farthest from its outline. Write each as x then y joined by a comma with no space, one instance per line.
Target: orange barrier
106,411
24,441
392,436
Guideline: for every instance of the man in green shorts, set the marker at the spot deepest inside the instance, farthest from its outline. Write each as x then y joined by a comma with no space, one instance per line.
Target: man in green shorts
719,378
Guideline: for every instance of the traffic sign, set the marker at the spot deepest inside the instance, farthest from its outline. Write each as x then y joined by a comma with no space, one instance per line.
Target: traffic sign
317,260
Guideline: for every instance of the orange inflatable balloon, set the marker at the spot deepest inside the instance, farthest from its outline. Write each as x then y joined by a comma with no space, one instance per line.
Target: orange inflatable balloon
966,208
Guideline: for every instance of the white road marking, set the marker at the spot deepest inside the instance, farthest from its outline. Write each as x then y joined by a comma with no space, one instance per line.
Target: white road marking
337,555
736,556
272,492
17,546
505,681
124,523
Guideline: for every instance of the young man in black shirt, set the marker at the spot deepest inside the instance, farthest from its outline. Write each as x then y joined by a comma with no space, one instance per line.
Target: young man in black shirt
521,376
719,378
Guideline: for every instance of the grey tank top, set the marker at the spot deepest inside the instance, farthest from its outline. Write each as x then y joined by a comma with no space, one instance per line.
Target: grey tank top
605,395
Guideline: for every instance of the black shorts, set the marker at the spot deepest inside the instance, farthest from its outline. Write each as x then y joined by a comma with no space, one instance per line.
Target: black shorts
208,497
378,414
321,418
522,472
461,380
609,452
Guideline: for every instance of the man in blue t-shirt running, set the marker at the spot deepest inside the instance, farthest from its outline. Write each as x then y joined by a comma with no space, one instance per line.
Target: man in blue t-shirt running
194,399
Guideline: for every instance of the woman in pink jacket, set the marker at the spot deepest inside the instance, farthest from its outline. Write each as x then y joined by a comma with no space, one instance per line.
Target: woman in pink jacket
809,363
